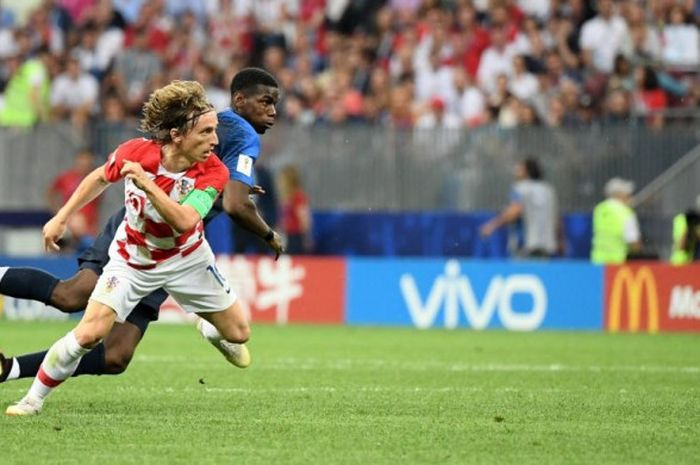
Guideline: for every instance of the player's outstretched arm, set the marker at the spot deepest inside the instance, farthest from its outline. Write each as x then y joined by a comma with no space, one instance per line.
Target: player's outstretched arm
511,213
90,187
182,218
244,212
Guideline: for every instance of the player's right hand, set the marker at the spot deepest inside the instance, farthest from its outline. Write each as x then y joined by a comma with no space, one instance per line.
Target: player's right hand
276,244
52,232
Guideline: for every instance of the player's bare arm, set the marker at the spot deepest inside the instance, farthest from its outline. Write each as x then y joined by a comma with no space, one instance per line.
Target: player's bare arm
89,188
181,217
239,206
511,213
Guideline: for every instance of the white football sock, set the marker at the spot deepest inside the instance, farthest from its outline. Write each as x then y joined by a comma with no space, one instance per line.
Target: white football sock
59,364
14,370
209,331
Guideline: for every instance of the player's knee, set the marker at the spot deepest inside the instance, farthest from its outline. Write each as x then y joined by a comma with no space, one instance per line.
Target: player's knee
116,361
71,296
239,334
88,339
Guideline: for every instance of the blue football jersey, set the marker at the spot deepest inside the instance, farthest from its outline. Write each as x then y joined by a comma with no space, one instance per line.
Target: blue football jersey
239,146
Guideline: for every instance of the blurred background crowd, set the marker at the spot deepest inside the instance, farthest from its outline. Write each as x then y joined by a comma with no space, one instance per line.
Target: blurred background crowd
404,63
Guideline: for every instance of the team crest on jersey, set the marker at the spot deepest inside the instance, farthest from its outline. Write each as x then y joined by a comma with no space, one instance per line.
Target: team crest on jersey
111,283
184,186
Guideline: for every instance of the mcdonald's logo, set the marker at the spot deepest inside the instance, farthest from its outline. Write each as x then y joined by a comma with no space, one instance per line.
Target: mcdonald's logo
635,286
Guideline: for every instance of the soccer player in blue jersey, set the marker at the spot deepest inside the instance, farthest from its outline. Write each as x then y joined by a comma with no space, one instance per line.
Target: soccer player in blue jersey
254,94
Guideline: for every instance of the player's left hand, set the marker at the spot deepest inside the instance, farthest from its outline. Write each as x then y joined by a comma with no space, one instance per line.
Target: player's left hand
134,171
52,232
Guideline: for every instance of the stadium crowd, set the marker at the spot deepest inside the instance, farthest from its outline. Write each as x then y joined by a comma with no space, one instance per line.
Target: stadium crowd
406,63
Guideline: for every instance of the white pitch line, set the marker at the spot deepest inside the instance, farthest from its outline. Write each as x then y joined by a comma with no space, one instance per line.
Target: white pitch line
332,389
309,364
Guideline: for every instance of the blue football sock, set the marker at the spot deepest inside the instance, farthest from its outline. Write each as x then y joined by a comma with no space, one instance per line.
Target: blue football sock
92,363
27,283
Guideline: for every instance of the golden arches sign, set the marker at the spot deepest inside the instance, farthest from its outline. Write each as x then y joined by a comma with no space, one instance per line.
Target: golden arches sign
634,284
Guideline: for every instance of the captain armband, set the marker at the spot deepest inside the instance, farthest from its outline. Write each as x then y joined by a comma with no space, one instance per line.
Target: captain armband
201,200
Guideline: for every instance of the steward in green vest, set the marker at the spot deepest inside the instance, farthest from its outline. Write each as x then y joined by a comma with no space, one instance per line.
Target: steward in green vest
615,227
686,232
26,94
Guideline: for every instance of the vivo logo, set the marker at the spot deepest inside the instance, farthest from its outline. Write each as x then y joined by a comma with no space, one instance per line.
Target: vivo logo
452,292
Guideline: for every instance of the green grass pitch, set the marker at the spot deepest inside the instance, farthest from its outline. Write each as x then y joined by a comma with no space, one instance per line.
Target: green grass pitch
342,395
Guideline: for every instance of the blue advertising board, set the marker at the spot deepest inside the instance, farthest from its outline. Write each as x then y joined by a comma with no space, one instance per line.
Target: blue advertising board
428,293
62,266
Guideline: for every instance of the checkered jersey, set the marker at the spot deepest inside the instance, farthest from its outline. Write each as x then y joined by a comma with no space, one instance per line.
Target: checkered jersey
144,239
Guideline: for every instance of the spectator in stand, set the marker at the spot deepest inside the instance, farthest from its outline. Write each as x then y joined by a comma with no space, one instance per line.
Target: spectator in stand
47,25
617,107
184,49
437,116
84,224
527,115
74,94
7,17
508,113
296,212
26,100
643,44
113,110
570,95
497,99
622,76
296,111
472,103
129,9
681,40
401,108
136,66
314,44
523,85
473,39
650,99
435,79
496,60
603,37
218,96
378,92
555,113
536,8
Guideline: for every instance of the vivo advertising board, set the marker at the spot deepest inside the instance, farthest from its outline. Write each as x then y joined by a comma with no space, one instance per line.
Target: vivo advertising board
519,296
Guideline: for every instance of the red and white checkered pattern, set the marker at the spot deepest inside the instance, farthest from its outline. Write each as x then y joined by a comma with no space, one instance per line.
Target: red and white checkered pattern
144,239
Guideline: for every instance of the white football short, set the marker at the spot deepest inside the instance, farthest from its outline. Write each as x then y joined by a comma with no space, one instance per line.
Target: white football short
193,281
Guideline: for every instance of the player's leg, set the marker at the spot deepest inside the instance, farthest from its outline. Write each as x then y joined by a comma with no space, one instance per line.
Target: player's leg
198,286
27,283
228,331
120,344
64,356
69,295
110,357
118,290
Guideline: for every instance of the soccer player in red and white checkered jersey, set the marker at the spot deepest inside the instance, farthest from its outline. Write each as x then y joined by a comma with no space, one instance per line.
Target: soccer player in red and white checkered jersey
171,182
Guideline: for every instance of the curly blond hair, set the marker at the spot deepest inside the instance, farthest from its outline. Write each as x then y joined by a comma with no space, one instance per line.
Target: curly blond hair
175,106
